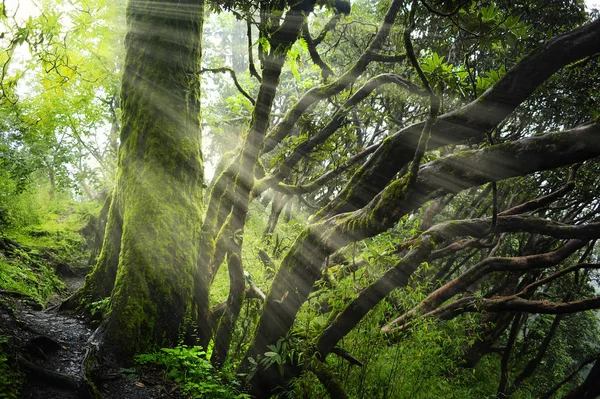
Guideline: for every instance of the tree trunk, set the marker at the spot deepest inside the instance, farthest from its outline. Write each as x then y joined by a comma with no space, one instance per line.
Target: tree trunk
590,388
51,177
159,182
281,40
278,203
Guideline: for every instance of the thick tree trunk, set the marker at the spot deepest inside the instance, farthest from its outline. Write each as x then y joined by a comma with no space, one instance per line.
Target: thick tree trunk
159,182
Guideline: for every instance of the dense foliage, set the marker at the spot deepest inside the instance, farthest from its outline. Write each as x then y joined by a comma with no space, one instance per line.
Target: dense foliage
399,197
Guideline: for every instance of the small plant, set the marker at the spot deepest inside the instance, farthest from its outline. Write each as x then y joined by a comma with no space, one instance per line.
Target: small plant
98,309
279,354
190,368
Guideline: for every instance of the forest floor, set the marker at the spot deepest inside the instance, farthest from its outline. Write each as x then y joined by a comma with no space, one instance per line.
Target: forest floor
51,350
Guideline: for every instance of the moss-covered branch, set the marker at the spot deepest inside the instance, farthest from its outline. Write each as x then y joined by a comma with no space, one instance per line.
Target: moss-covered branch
301,266
470,121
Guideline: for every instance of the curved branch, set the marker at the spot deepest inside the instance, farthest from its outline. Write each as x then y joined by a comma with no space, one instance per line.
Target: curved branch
327,176
477,272
337,120
235,81
473,304
328,27
544,200
399,275
316,94
515,303
326,71
470,121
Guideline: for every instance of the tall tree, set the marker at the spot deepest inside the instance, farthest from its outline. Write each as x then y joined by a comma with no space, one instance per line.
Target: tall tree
150,253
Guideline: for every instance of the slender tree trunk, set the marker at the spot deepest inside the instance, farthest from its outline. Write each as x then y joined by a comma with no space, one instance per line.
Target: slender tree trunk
504,364
154,224
281,40
100,282
278,203
51,177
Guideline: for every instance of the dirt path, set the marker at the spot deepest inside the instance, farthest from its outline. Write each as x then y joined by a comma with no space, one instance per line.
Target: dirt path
53,349
58,344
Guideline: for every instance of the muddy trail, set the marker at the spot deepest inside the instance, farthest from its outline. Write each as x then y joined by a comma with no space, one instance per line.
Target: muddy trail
55,354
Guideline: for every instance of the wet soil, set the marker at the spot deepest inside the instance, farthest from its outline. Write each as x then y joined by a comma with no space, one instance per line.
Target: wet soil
53,352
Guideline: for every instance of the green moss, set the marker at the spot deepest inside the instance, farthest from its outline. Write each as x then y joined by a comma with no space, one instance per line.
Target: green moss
29,277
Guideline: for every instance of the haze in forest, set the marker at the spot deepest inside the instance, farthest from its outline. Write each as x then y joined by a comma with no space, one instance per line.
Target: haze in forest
256,199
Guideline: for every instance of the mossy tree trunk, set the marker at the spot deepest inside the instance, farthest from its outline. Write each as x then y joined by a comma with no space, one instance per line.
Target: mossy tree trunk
228,241
150,248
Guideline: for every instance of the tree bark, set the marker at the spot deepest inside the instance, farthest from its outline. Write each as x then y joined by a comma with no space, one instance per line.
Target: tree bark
159,184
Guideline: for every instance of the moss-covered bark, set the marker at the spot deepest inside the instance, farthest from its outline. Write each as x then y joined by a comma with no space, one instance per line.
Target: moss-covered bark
159,182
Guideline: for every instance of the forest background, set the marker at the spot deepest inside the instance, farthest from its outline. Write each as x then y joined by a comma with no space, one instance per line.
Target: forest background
420,218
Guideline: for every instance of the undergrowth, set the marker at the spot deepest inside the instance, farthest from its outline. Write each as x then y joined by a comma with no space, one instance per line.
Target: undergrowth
29,277
40,240
193,372
10,379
